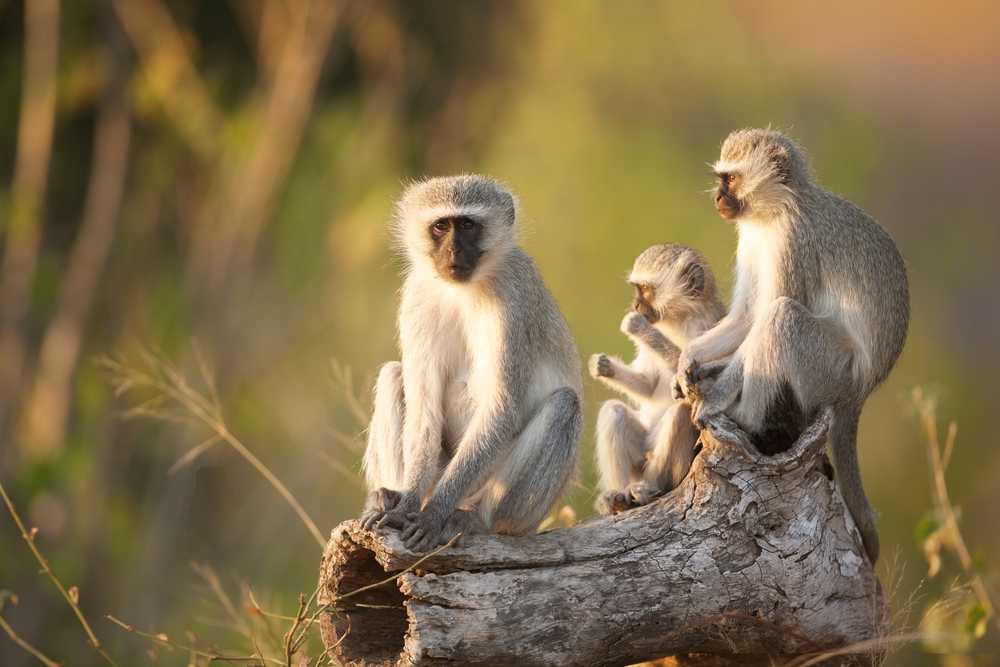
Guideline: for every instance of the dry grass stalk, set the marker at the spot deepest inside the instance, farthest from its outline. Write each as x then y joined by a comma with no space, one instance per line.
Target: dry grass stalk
168,383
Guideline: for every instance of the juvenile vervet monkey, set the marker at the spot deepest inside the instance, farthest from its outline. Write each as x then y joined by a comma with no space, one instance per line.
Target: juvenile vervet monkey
821,305
645,450
478,427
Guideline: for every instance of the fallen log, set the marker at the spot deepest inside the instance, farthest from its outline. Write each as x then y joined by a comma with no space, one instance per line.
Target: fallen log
750,554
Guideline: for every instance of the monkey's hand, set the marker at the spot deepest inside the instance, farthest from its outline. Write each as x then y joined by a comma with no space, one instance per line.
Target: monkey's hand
635,325
600,365
695,380
423,532
685,385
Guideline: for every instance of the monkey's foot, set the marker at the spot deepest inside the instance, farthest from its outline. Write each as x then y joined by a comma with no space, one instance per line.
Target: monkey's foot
379,506
423,531
465,522
642,493
377,519
383,499
613,502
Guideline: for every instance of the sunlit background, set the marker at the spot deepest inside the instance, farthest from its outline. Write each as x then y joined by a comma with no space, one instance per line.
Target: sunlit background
208,180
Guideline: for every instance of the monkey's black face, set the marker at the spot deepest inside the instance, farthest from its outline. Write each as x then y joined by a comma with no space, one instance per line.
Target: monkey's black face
456,250
644,295
726,199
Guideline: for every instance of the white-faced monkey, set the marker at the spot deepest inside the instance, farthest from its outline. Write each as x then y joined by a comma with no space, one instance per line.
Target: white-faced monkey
646,450
821,305
478,427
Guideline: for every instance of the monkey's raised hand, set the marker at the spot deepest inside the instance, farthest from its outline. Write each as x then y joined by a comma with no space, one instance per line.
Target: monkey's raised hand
635,325
600,366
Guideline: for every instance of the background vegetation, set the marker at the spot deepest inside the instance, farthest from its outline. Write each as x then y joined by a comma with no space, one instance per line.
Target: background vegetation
211,180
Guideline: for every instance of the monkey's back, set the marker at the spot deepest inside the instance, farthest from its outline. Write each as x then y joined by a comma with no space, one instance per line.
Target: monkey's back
863,275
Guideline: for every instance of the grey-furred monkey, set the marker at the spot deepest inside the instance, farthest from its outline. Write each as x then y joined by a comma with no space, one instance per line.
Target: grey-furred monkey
821,305
646,450
478,427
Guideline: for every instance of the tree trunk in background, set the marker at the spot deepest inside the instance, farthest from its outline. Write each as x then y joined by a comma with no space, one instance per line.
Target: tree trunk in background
46,413
36,126
751,554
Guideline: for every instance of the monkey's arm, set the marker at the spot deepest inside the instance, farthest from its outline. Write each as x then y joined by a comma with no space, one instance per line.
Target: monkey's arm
488,437
620,377
720,341
638,328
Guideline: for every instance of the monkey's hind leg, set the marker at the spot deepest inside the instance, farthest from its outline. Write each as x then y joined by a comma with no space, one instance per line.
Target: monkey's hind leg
674,439
538,468
622,443
383,460
789,345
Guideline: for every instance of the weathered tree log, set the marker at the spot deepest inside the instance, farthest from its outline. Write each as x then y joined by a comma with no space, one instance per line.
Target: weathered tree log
750,554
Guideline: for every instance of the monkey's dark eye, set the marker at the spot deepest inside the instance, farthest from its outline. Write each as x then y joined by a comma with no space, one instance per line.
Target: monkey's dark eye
731,178
441,225
468,224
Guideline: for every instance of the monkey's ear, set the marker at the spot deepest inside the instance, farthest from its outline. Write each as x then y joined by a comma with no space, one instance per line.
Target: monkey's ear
782,163
694,279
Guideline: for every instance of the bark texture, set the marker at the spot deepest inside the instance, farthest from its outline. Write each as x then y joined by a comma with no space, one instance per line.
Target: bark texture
750,554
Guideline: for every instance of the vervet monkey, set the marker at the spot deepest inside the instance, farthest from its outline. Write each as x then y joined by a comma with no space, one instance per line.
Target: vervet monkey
478,427
645,450
820,309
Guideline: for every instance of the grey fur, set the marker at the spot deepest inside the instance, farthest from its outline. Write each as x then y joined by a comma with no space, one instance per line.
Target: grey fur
682,301
478,426
821,304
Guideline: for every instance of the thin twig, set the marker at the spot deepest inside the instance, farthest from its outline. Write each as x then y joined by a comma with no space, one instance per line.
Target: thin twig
26,646
29,538
164,639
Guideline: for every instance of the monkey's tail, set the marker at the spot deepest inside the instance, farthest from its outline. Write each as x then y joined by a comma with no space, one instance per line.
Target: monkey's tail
844,442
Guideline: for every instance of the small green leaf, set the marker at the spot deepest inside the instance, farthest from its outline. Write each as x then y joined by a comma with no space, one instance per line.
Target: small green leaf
925,528
975,622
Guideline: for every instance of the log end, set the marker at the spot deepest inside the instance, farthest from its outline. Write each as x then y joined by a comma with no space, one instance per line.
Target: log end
372,623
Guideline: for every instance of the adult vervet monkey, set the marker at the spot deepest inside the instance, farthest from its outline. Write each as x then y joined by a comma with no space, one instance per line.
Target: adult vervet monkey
821,305
646,450
478,427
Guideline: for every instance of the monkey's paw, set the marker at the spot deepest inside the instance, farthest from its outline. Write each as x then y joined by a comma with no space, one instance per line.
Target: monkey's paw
383,499
643,493
634,324
703,410
423,531
600,366
613,502
372,519
378,507
463,522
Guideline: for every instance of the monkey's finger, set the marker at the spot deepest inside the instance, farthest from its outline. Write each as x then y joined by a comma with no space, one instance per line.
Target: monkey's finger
415,540
678,391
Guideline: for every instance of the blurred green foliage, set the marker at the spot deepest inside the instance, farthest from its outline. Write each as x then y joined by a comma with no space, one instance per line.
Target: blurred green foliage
601,116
